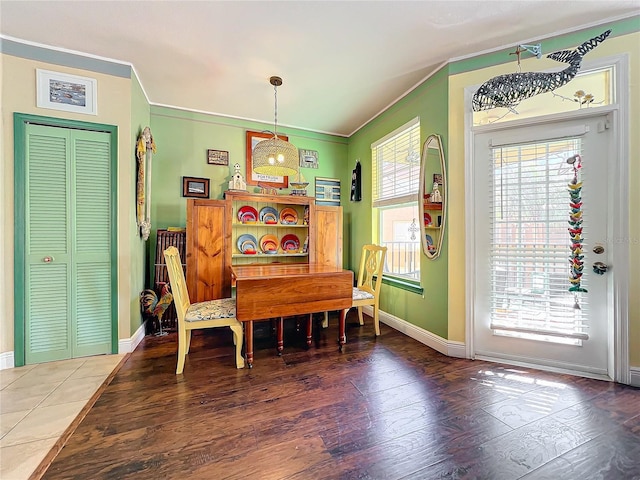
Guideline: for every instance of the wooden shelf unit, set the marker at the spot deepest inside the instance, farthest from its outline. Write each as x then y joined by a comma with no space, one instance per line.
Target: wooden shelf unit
213,229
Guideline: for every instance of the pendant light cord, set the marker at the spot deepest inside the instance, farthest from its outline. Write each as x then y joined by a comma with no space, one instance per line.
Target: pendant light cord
275,110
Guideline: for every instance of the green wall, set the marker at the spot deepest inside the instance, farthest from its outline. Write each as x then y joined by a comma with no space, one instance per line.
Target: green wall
429,101
183,138
140,118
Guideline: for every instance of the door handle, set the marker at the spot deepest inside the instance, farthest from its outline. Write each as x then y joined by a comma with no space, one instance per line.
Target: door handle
47,259
599,268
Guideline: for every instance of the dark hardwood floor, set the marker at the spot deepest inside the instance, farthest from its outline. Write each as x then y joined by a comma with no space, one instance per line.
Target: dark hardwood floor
385,408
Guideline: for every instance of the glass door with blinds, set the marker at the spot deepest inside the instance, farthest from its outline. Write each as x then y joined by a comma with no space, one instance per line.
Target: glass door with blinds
538,299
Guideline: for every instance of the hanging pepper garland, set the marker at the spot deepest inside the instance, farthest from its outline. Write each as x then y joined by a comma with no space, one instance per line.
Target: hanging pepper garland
575,227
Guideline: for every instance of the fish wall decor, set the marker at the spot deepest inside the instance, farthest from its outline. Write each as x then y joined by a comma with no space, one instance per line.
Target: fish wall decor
510,89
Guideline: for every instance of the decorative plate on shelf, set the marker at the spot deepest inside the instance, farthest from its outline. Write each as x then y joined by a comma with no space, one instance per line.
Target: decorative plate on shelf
269,244
269,215
427,219
247,214
290,243
288,216
247,244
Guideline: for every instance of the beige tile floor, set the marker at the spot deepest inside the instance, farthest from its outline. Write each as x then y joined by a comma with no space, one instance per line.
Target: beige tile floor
38,403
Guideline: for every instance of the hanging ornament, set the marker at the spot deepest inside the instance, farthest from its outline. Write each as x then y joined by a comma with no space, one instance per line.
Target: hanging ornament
510,89
575,229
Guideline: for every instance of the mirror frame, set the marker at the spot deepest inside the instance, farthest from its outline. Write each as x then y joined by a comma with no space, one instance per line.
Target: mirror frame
422,197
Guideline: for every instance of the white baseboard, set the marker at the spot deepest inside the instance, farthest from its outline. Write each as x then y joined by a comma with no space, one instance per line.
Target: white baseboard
635,376
6,360
128,345
446,347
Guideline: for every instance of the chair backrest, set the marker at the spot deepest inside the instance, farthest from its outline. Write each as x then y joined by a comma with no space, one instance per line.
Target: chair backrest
178,283
371,265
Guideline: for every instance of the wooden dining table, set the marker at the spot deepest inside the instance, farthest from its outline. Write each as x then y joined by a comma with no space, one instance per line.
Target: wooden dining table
283,290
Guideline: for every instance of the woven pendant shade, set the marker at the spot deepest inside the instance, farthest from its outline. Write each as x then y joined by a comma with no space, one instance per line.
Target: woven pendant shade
275,156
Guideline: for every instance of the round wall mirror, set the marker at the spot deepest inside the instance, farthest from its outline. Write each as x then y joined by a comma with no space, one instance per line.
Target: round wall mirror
432,196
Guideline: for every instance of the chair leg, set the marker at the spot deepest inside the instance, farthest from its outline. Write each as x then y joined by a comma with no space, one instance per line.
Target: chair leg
187,341
376,319
360,316
182,353
325,321
237,339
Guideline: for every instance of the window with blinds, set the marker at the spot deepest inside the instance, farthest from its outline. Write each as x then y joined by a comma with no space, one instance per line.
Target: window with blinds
530,243
396,166
395,175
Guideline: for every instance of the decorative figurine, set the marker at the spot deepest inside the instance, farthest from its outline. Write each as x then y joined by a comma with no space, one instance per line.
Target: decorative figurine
436,197
237,180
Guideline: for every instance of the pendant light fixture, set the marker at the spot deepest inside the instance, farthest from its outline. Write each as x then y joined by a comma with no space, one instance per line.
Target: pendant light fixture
275,156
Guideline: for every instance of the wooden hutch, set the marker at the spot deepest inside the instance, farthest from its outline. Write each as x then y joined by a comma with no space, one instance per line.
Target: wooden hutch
214,226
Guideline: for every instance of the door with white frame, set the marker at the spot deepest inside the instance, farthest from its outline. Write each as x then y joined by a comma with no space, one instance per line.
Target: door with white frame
524,311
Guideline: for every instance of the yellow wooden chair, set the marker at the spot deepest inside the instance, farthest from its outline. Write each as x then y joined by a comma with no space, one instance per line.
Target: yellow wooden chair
210,314
369,282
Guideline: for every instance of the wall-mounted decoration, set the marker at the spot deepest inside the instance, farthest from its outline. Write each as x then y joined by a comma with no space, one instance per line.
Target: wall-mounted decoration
195,187
308,158
327,191
356,183
510,89
575,229
70,93
217,157
145,148
254,178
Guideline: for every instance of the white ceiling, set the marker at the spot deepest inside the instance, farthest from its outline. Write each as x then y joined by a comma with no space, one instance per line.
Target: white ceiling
342,62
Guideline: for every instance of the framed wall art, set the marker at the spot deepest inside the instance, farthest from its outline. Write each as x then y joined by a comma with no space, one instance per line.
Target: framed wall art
253,178
217,157
70,93
328,191
308,158
195,187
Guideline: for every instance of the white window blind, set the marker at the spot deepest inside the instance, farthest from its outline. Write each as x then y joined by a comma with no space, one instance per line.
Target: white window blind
530,243
396,166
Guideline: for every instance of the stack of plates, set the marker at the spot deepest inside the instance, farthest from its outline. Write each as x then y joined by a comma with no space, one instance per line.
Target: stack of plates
290,243
288,216
269,215
269,244
247,244
247,214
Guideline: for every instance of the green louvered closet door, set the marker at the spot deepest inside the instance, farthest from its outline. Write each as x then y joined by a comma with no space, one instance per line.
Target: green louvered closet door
68,311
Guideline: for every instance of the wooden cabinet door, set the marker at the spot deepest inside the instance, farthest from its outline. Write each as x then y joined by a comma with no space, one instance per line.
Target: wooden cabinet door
326,235
208,250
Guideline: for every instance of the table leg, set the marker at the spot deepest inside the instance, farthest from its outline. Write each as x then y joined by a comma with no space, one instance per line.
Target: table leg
280,334
248,335
309,329
342,338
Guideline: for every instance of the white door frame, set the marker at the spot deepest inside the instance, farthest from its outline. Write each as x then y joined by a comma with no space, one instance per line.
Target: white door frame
618,199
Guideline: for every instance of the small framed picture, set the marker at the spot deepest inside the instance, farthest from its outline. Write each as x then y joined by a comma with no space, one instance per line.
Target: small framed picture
328,191
308,158
217,157
70,93
437,178
195,187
